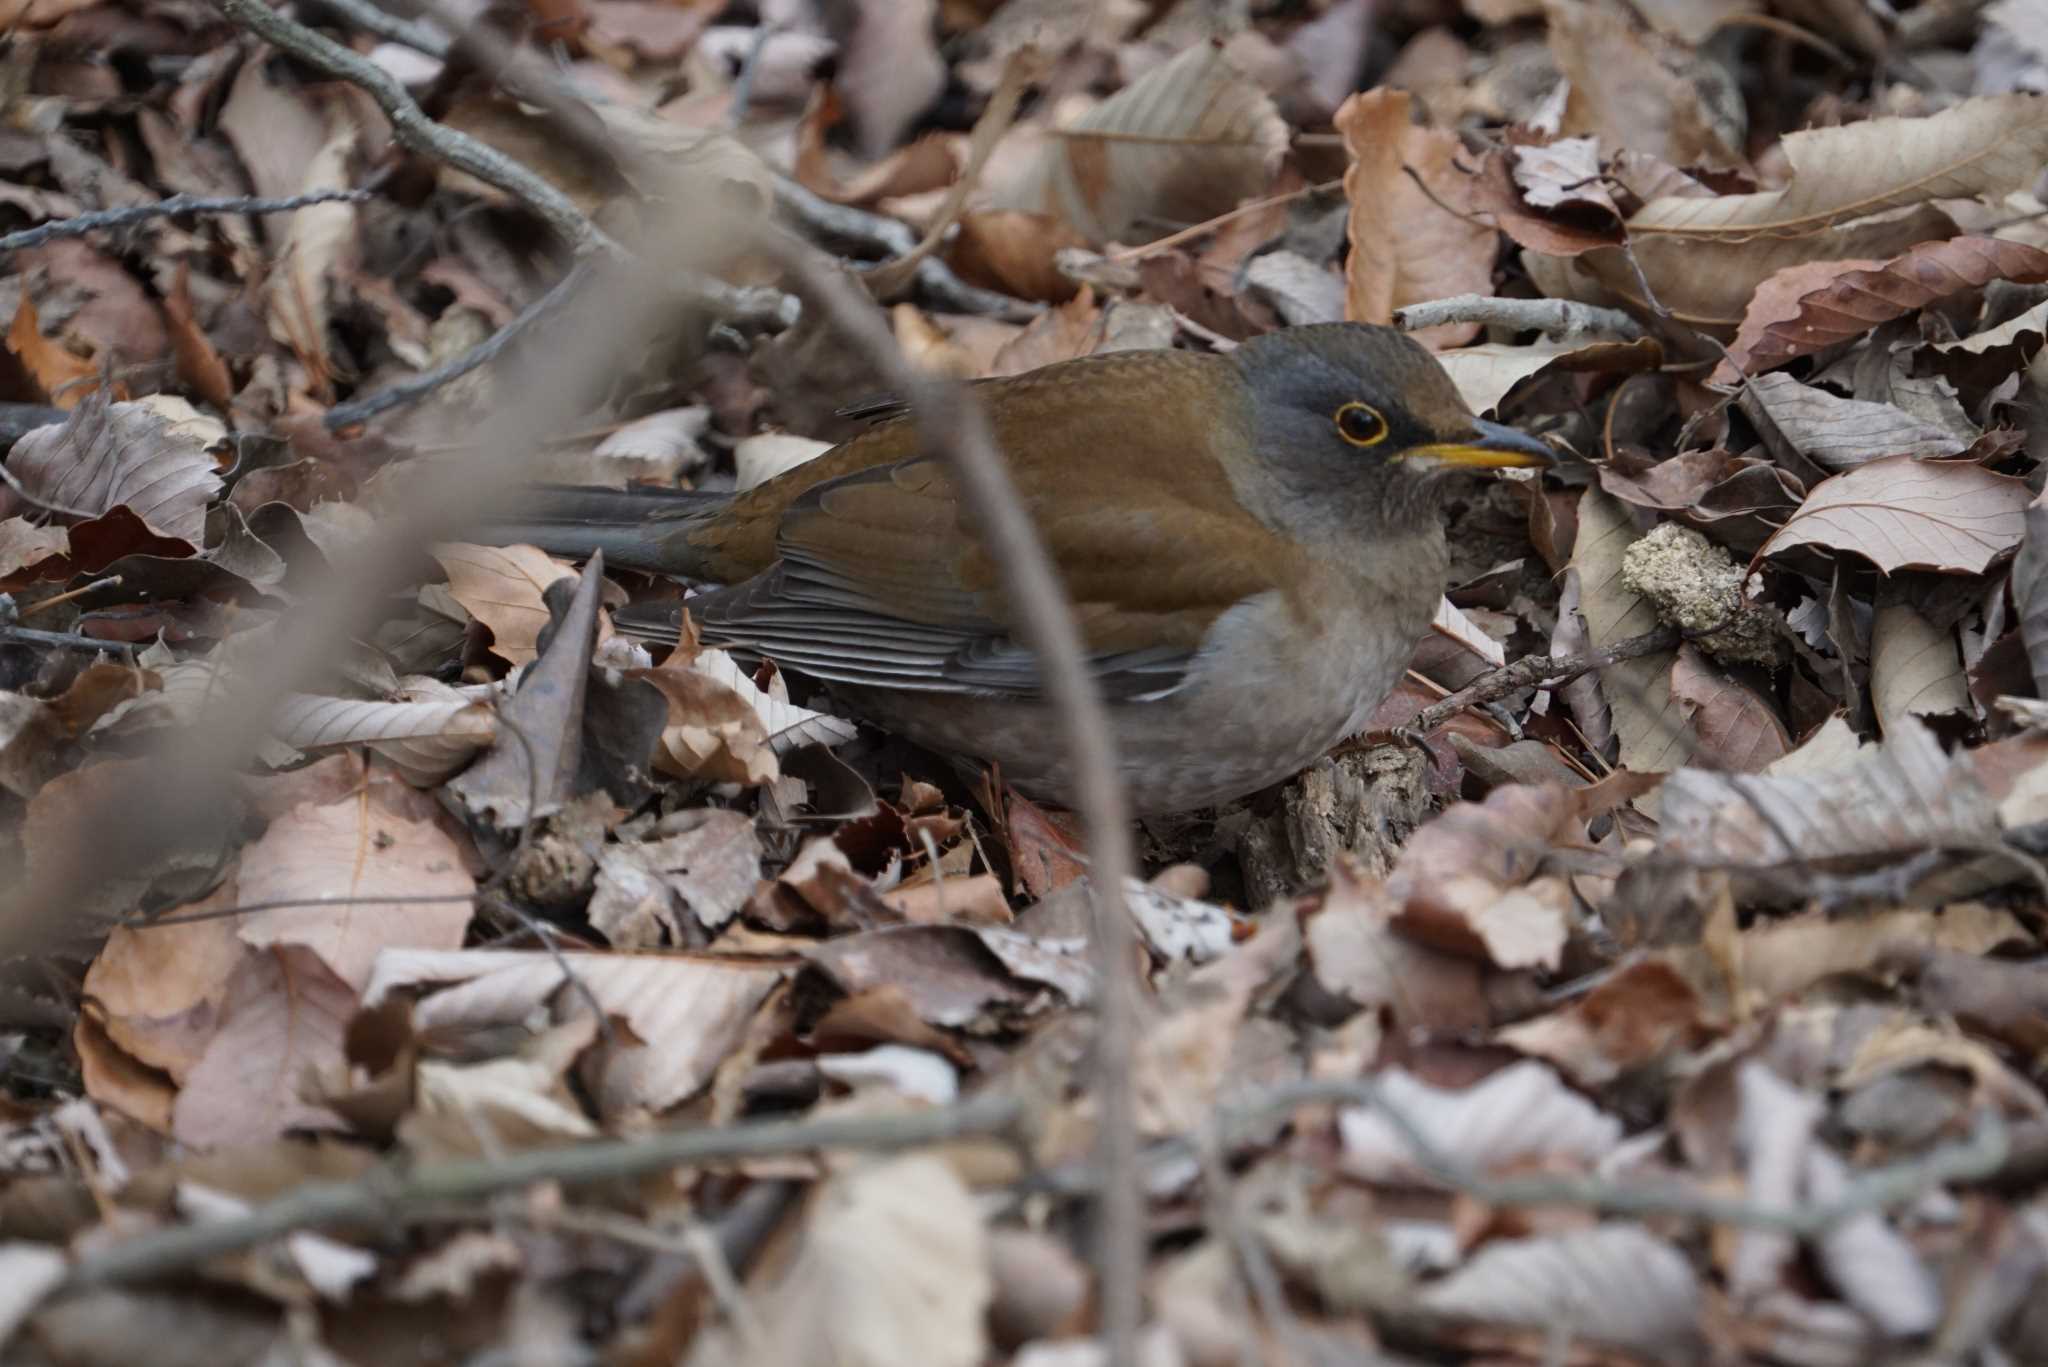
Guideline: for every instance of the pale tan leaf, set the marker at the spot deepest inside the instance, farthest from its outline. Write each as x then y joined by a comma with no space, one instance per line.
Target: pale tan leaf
1617,1284
893,1269
1901,513
1634,91
501,586
23,543
1485,374
1983,146
1523,1112
1915,668
1185,142
1651,728
158,992
1406,246
355,849
426,740
1452,622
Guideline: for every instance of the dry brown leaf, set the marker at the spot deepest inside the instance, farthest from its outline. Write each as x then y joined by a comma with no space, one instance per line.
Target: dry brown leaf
1805,309
1617,1284
1521,1113
64,378
355,848
1915,668
1185,142
1355,953
1737,729
1485,374
109,455
893,1268
427,735
1406,248
1014,251
2030,590
501,586
889,66
1983,146
23,543
1881,801
1632,91
1646,1011
1468,882
1836,433
1901,513
159,991
1650,726
282,1024
199,363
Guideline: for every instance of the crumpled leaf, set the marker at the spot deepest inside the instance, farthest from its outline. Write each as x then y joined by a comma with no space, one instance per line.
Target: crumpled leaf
1617,1283
1837,433
1901,513
1651,730
109,455
1406,247
1886,800
1520,1113
1184,142
1820,304
1468,881
502,587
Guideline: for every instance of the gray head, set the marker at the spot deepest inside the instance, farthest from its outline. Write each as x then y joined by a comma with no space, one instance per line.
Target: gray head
1365,414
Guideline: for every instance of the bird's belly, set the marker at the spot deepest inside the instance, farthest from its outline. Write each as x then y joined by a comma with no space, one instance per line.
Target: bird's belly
1258,705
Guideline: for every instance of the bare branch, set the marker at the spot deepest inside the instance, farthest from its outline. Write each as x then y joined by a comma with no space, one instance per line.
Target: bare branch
81,224
1563,318
387,1195
1532,670
952,427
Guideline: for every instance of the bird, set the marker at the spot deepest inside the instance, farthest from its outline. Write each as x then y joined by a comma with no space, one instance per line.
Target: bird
1251,540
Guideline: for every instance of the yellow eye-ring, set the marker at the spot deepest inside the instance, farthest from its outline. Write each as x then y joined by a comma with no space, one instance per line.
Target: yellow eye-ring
1361,424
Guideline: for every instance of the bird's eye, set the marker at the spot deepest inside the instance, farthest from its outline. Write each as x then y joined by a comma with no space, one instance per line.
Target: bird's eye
1361,424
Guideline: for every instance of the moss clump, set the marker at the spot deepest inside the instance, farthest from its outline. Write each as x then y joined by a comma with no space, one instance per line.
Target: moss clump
1696,587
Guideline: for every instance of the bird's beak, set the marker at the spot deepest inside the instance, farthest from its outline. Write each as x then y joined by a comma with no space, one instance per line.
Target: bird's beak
1490,447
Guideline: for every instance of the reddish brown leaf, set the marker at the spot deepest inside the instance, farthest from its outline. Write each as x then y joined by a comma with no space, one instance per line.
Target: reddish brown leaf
1805,309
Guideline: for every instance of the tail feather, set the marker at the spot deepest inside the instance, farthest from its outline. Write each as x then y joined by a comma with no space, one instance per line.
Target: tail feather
635,528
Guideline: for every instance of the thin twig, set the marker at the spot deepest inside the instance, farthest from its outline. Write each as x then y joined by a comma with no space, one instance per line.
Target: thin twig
1977,1156
1548,670
1563,318
417,387
936,284
952,427
388,1194
64,640
372,18
81,224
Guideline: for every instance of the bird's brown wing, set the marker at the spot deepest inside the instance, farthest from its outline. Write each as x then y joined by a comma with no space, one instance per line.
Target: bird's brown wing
881,580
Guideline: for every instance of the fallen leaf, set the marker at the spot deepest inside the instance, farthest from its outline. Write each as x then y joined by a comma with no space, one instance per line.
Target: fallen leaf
1406,247
1902,513
502,587
1184,142
111,455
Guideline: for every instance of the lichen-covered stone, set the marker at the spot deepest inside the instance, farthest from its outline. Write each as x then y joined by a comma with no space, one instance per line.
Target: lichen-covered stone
1696,587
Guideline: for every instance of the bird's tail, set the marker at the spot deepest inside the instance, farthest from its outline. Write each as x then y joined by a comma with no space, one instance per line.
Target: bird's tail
636,529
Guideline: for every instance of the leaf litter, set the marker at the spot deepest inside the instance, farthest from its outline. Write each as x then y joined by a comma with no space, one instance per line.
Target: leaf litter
1687,1010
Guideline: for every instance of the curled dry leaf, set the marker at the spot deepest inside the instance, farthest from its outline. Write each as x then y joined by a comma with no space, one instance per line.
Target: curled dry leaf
1901,513
1885,801
1522,1113
1666,99
1487,373
1183,143
1915,668
108,455
1406,246
502,587
427,737
1805,309
2030,590
1469,881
